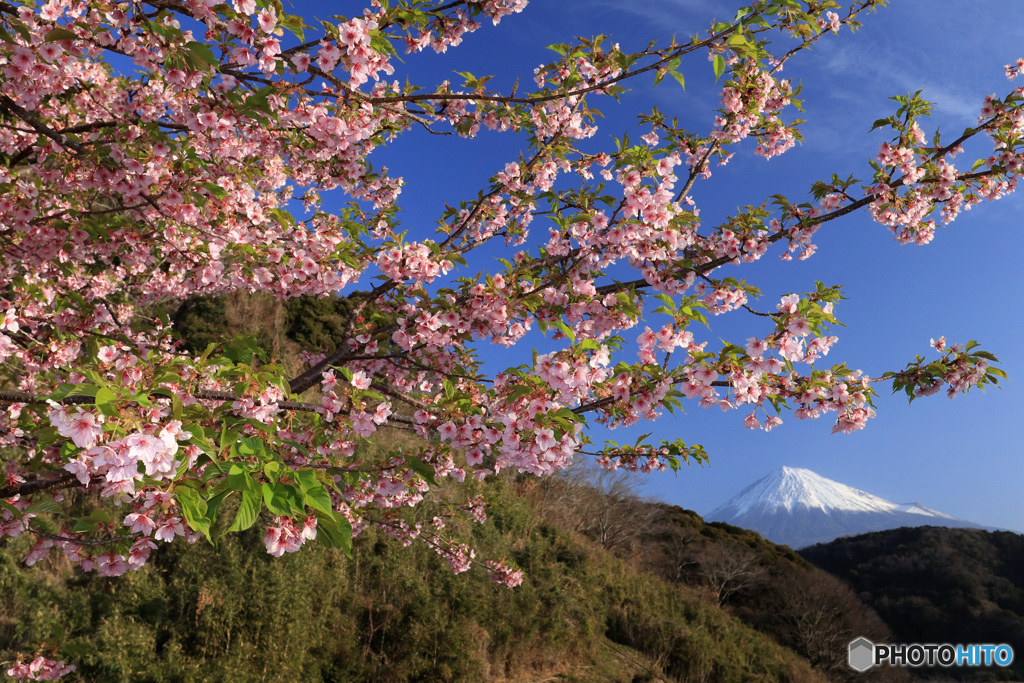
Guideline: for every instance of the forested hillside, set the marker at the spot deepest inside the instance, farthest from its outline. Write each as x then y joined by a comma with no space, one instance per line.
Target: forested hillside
938,585
387,614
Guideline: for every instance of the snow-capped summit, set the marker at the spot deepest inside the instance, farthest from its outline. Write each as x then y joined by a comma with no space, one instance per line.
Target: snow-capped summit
793,487
797,507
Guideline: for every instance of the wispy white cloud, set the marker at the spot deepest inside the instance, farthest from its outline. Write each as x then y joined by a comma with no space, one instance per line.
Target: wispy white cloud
670,16
912,46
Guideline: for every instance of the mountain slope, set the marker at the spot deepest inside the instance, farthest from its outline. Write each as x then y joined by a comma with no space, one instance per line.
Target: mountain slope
797,507
387,615
935,585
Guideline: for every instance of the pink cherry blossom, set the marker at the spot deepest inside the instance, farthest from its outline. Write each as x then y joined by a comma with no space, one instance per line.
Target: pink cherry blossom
140,523
301,61
267,19
39,669
309,528
360,380
82,427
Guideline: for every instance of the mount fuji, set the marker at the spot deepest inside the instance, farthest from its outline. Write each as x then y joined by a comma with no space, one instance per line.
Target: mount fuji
797,507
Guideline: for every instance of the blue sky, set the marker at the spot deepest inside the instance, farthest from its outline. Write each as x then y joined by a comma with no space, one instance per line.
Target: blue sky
960,456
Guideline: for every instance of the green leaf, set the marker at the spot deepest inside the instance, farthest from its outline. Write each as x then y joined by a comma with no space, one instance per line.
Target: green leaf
176,405
258,100
65,390
242,349
719,66
201,52
271,470
565,329
319,499
22,31
239,479
56,34
882,122
283,500
213,505
314,493
105,402
335,532
248,510
249,446
295,25
306,479
47,505
194,509
167,31
421,468
84,526
199,438
216,190
519,391
4,505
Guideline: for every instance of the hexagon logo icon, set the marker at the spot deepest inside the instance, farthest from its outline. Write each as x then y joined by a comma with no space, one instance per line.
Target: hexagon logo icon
862,654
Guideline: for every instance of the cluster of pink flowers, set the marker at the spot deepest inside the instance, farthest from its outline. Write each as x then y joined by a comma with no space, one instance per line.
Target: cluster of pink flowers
1015,69
459,556
751,106
283,537
40,669
412,262
504,575
11,524
477,509
117,461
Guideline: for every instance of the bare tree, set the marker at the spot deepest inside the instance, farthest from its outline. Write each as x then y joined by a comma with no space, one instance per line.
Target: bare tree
679,552
602,504
728,569
820,615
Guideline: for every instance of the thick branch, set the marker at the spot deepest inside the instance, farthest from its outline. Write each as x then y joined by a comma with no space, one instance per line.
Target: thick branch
62,480
10,396
85,541
41,128
312,376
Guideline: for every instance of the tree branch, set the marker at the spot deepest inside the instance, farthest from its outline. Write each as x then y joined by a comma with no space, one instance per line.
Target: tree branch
62,480
41,128
11,396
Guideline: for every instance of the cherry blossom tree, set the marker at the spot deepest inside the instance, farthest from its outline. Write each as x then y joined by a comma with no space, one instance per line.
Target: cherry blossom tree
157,150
